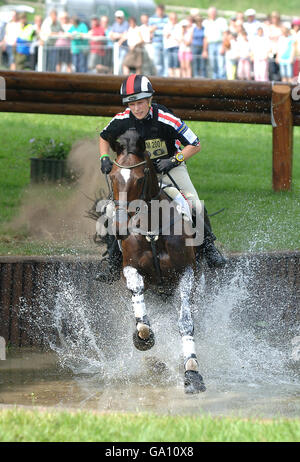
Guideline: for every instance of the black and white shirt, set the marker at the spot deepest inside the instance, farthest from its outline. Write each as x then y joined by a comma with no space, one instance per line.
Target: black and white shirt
159,123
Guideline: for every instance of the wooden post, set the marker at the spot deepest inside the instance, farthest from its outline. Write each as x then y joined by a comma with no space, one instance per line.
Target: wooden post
282,122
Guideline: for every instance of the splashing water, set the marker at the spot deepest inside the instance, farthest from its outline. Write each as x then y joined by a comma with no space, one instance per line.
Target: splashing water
230,350
90,325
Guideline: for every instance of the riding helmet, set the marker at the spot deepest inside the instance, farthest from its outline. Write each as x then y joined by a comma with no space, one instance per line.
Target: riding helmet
136,87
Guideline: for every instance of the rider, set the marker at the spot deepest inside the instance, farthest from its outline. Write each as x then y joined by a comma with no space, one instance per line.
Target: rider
162,129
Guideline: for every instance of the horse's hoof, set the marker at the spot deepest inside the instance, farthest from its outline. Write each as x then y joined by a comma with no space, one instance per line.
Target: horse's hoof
143,344
193,382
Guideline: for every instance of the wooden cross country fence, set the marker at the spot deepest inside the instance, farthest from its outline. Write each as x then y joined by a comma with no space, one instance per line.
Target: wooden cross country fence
275,104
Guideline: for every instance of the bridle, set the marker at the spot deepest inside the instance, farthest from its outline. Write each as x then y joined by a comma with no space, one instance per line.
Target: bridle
145,182
129,166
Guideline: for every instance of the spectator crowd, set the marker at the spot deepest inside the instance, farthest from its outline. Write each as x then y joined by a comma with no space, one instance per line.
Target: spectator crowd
242,47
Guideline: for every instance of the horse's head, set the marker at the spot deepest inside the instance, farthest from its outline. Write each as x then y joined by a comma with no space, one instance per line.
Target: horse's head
133,169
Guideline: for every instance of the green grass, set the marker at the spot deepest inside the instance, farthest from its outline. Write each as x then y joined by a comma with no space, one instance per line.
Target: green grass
16,131
32,426
290,7
233,170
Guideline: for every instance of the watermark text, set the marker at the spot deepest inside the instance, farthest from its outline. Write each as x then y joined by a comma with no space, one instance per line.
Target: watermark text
2,349
2,89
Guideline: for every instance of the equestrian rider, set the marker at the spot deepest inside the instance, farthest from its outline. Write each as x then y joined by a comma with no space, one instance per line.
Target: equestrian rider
163,133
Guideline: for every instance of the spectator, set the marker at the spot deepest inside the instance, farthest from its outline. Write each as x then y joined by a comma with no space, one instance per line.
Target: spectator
231,54
134,57
273,32
157,23
23,43
97,52
261,49
232,25
108,57
185,49
2,34
286,53
251,24
296,34
118,29
38,20
79,44
171,33
199,63
244,56
239,27
214,28
147,33
12,30
50,29
63,44
240,17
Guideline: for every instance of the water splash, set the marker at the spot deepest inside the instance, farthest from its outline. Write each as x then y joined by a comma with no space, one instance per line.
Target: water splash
89,325
233,350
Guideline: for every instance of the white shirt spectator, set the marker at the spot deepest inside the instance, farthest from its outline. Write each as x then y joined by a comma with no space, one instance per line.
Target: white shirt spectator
251,28
134,36
12,31
214,29
261,47
243,47
233,52
145,33
172,34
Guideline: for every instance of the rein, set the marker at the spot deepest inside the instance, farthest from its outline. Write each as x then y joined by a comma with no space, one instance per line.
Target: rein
129,166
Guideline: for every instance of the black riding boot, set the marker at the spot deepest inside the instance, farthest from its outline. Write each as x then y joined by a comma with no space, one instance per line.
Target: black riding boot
110,265
212,255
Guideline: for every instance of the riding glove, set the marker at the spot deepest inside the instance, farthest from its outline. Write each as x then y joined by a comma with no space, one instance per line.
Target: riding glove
106,164
165,165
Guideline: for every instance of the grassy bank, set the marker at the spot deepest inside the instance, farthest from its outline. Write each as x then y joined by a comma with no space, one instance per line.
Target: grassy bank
53,426
290,7
233,171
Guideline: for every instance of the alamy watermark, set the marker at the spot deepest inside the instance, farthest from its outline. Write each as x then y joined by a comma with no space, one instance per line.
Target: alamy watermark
2,349
162,218
296,93
2,89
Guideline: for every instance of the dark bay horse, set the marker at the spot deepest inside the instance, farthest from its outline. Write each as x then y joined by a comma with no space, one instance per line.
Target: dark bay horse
156,254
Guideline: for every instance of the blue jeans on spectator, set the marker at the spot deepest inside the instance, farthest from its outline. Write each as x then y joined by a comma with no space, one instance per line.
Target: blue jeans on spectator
79,61
199,63
216,60
51,59
286,70
159,58
122,53
10,52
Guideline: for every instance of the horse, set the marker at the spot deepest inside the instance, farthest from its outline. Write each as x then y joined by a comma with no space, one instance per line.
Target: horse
152,257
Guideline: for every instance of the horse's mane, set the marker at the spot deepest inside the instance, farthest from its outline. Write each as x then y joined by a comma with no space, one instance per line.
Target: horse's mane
129,142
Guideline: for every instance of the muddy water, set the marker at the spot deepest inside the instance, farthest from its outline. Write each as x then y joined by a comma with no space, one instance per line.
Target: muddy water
248,355
35,378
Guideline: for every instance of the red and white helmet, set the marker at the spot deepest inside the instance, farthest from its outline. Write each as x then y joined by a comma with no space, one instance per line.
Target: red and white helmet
136,87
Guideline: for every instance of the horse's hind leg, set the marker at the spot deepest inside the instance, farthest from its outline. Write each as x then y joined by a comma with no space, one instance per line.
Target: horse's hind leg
193,382
143,337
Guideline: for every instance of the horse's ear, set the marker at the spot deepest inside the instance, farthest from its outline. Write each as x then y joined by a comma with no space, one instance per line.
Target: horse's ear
115,145
141,145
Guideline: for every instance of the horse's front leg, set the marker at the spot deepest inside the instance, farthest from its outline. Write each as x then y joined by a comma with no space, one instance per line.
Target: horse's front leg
143,337
193,382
